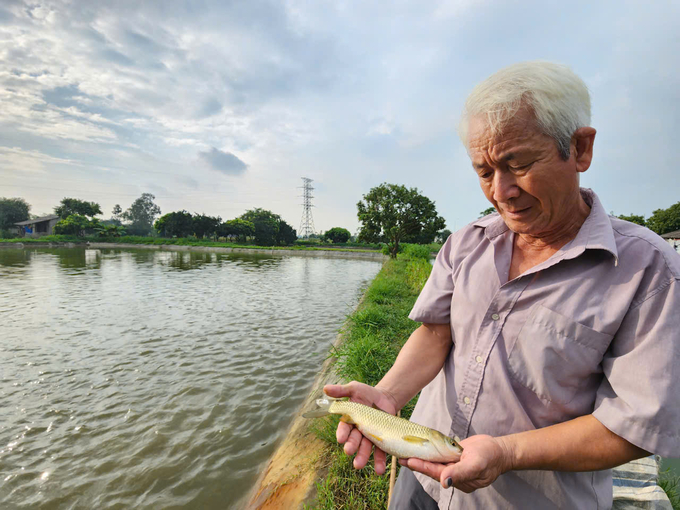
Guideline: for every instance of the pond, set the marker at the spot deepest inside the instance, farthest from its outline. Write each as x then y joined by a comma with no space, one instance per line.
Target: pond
147,379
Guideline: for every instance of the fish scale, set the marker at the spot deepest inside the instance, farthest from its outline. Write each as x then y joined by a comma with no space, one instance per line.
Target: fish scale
396,436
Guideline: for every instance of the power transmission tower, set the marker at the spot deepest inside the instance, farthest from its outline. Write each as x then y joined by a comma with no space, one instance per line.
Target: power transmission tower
307,222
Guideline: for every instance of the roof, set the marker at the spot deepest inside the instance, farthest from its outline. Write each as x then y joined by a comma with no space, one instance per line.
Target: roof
672,235
38,220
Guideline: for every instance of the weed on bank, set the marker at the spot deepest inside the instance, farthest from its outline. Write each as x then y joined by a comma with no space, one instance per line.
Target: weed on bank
374,334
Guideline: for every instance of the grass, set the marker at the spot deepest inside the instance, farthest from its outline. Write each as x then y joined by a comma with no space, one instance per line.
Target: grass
374,334
670,483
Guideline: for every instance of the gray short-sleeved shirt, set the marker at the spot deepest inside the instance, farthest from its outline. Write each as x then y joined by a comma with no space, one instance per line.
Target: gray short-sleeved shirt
594,329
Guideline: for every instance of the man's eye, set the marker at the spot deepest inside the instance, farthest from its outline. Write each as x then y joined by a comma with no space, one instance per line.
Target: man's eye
485,175
520,167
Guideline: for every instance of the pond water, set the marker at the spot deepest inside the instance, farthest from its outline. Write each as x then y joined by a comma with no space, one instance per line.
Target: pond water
146,379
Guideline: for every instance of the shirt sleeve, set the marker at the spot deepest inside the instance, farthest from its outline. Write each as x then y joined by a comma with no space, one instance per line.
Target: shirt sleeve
638,398
434,302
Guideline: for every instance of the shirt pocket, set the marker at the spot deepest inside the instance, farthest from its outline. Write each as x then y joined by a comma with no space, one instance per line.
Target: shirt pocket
555,356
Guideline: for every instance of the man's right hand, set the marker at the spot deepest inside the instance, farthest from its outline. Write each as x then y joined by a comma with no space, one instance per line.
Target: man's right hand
354,441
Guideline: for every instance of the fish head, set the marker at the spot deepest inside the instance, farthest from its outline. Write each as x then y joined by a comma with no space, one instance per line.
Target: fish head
447,446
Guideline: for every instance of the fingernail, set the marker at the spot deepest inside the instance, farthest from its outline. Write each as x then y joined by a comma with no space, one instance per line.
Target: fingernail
449,482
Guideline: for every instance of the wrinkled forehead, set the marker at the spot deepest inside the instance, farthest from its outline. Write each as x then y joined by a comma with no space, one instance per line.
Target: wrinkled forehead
520,131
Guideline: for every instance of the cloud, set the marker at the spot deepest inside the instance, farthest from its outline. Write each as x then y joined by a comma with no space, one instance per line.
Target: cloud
224,162
347,93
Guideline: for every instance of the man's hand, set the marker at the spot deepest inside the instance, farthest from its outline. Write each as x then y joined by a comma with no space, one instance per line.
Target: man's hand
483,460
354,440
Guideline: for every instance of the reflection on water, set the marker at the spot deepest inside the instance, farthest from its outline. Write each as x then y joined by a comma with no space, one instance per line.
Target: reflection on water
153,379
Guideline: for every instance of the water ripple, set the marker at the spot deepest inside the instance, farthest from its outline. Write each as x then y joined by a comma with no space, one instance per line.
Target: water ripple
144,379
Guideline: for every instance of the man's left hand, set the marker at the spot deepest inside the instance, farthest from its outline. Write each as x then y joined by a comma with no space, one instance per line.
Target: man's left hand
483,460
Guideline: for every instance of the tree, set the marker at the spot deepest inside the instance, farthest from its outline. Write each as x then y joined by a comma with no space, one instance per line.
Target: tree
13,210
76,225
109,230
487,211
663,221
266,225
443,235
69,206
286,235
175,224
238,228
337,235
117,212
391,213
141,215
634,218
205,225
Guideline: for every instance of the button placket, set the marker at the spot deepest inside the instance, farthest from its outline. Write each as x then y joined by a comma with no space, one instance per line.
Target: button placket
505,299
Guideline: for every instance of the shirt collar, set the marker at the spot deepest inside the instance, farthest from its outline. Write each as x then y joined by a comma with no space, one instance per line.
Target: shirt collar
596,233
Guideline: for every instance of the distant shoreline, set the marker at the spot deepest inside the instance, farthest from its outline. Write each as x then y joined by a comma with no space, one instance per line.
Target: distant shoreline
305,252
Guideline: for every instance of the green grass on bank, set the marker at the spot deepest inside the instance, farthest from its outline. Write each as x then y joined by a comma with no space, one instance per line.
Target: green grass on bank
374,334
186,242
670,483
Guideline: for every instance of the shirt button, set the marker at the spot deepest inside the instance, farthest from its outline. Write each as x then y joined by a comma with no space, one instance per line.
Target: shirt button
495,316
479,359
467,400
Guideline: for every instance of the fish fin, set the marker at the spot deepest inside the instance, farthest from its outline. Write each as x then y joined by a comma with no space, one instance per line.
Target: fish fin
347,419
316,413
322,407
415,439
373,436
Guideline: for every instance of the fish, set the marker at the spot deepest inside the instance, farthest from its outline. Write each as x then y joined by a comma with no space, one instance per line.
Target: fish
395,436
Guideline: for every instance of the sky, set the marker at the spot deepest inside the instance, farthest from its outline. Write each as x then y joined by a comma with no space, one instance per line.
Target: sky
218,107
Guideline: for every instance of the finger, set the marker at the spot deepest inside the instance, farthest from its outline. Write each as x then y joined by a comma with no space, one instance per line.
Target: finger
461,477
343,431
380,460
353,442
431,469
363,454
448,477
336,390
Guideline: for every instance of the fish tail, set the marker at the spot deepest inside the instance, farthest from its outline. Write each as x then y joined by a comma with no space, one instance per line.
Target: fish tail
322,408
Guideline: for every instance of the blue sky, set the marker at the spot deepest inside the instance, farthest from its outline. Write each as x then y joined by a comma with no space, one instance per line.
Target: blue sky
218,107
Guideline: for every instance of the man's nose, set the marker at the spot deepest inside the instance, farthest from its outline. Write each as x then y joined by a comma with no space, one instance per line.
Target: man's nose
504,186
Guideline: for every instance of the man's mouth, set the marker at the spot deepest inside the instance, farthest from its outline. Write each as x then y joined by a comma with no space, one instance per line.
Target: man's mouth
517,212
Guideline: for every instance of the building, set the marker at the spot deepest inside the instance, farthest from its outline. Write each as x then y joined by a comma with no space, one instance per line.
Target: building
673,239
37,227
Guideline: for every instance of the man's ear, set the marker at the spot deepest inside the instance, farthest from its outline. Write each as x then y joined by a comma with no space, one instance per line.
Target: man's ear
583,141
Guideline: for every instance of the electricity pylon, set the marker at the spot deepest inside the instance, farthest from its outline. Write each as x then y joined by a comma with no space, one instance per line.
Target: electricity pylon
307,222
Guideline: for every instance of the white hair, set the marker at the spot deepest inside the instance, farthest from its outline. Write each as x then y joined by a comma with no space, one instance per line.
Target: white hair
557,96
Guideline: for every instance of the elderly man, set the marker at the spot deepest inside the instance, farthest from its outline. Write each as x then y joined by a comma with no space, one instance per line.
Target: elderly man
550,331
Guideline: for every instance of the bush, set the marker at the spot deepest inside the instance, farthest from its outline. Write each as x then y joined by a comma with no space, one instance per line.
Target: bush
386,249
417,251
337,235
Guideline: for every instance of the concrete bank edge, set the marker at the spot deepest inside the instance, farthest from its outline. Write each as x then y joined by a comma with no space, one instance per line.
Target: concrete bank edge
206,249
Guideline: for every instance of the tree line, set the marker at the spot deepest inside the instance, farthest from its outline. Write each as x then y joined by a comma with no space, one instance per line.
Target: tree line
259,225
661,221
389,213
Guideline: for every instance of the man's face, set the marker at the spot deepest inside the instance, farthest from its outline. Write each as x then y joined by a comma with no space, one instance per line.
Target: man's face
523,176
